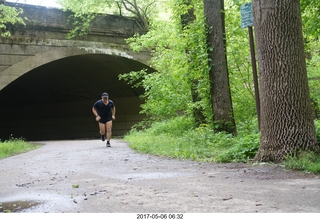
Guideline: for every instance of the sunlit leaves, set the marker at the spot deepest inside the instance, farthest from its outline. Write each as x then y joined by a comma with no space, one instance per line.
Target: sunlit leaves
9,15
179,57
84,11
310,10
82,7
166,91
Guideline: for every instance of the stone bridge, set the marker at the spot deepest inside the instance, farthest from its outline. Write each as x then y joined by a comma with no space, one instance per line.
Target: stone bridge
48,83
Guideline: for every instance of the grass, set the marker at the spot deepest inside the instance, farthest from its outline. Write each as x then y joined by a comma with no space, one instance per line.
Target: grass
306,161
176,138
15,146
174,147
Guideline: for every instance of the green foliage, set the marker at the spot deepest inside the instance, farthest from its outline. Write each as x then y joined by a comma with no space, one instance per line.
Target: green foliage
82,7
313,67
177,138
15,146
244,149
85,11
172,127
9,15
179,58
160,87
317,125
135,78
310,10
82,23
240,70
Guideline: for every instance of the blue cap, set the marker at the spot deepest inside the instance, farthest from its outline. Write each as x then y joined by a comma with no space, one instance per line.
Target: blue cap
105,95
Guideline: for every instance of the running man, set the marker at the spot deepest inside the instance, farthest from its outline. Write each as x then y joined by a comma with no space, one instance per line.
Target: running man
104,111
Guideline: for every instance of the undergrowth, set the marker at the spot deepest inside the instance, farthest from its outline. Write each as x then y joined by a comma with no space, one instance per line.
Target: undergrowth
176,138
305,161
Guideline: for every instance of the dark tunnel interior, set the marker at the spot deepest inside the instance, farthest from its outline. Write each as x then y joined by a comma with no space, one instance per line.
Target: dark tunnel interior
54,101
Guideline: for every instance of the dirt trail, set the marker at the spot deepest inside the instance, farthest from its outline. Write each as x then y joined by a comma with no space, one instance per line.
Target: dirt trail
85,176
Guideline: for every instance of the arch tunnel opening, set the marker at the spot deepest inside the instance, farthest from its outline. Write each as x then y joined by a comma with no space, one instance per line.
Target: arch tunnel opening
54,101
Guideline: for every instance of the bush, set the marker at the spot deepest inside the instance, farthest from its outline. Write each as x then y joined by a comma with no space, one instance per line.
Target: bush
245,149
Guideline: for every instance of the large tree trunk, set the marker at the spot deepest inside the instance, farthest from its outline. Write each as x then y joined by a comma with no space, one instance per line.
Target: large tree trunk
219,77
287,124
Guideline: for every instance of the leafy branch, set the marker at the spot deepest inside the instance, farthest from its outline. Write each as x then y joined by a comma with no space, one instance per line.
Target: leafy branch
9,15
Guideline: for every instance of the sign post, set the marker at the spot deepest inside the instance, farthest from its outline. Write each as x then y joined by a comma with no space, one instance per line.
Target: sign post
247,21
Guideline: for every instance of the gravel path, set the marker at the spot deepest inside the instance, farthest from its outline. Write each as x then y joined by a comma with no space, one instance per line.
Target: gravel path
84,176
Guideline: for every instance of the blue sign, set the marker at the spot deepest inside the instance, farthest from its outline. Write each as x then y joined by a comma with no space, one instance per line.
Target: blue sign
246,15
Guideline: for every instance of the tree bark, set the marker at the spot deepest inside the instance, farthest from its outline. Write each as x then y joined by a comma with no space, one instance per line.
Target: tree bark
219,77
287,124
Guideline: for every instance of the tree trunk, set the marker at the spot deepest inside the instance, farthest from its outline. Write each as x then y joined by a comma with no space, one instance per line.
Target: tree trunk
198,111
219,77
287,124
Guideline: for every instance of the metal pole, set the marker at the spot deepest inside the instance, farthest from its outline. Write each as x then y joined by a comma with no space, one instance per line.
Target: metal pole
255,75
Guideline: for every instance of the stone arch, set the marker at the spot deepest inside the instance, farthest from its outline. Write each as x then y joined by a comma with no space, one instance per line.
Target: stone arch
15,71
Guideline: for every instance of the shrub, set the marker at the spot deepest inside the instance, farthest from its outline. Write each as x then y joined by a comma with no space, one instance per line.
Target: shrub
245,149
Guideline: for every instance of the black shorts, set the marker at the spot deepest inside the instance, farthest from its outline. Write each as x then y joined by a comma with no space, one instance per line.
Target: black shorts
105,120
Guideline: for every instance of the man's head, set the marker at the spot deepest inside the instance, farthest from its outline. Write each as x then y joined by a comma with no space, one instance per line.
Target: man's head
105,95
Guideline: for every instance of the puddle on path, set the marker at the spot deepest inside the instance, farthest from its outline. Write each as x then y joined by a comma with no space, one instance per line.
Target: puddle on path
17,206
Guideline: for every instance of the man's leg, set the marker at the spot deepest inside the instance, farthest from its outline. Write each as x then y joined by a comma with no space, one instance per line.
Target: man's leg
102,128
109,132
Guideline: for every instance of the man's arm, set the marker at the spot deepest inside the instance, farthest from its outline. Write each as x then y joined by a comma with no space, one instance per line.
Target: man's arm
113,111
94,111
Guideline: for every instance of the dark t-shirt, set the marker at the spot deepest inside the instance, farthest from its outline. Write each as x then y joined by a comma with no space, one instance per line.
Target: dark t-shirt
104,111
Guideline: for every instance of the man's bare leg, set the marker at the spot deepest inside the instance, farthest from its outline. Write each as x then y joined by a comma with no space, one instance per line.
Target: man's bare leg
102,128
109,132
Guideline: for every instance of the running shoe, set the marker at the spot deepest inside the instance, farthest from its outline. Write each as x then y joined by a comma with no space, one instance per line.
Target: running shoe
108,144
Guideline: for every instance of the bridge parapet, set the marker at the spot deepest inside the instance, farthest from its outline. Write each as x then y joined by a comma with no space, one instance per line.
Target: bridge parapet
54,19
